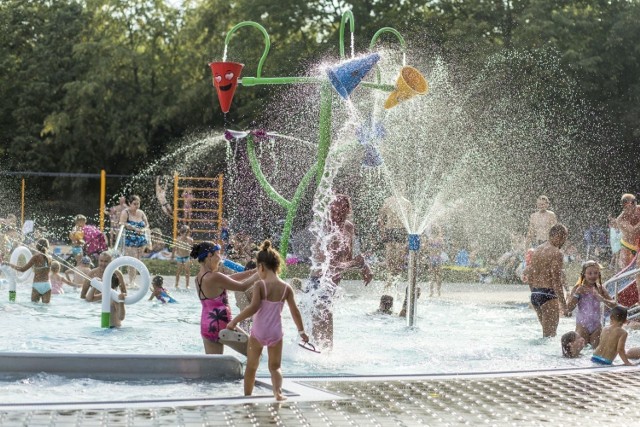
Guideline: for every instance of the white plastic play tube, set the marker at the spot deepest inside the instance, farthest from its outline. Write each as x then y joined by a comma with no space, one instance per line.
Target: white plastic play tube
26,276
10,276
145,279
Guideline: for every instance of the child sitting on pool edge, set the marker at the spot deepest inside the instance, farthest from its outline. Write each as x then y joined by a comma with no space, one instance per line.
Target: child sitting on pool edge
613,339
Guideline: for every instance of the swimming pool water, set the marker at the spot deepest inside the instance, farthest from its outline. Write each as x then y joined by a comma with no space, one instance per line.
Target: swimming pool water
450,336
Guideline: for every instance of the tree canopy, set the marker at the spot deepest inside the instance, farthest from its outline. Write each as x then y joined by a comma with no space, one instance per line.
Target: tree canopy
110,84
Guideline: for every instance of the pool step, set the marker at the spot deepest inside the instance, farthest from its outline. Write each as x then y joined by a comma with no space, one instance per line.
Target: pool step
121,366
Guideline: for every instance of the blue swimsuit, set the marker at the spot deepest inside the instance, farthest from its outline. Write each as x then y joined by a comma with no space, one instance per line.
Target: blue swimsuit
133,239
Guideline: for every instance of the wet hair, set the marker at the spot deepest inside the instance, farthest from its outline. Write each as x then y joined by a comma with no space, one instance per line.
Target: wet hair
107,254
619,313
566,341
80,217
42,245
558,230
55,266
586,265
157,281
132,198
115,283
269,257
201,250
627,197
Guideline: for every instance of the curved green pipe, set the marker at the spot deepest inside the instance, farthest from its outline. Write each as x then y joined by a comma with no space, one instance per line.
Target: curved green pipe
403,45
293,209
267,41
393,31
347,16
257,171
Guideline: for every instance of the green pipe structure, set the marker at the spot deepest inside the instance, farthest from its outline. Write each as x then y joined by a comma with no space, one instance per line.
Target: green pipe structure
326,101
290,206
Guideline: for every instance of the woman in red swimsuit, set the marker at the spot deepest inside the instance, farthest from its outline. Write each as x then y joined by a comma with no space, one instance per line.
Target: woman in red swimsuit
212,290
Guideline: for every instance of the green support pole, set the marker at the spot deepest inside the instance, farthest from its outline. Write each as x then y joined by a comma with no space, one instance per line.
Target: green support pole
105,320
290,206
12,296
293,209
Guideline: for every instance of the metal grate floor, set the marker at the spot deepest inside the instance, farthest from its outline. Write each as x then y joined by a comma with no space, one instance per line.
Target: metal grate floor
589,397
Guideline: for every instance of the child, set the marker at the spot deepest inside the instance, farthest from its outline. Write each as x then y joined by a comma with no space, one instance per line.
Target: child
269,294
181,250
76,235
159,292
117,308
57,280
81,273
572,344
587,295
613,340
386,305
187,201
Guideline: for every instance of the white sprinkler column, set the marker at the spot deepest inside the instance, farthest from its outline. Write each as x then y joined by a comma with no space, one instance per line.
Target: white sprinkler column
12,276
107,297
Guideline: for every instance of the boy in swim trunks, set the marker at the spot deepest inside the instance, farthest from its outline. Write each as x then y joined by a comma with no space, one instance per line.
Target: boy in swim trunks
545,278
613,340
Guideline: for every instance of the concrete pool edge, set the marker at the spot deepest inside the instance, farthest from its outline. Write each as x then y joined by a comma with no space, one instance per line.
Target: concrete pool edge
122,366
310,389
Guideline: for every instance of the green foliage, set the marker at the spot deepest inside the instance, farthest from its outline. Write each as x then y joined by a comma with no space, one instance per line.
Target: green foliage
93,84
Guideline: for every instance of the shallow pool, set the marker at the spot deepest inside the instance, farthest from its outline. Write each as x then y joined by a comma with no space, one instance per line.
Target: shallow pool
450,336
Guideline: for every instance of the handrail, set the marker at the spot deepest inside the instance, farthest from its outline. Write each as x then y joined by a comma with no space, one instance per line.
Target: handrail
267,41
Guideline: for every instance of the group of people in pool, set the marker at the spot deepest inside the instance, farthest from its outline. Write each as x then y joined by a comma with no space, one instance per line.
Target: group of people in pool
545,276
269,294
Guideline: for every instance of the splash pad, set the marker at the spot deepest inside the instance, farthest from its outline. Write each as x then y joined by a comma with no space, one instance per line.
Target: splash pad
344,78
382,156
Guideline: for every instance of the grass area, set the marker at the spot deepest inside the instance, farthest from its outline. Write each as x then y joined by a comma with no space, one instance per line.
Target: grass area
168,268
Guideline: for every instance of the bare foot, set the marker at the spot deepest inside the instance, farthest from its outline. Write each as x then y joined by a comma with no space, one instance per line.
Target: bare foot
280,397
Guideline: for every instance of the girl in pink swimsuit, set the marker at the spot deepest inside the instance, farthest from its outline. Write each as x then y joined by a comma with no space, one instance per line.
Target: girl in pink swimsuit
212,289
269,295
587,295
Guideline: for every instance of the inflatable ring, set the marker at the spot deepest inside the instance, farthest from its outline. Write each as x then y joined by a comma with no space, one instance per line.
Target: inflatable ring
27,276
145,278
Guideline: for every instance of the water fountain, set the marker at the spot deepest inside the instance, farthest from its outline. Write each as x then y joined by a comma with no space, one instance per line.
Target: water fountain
451,153
344,78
